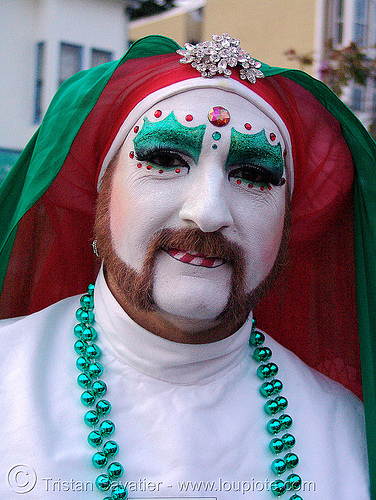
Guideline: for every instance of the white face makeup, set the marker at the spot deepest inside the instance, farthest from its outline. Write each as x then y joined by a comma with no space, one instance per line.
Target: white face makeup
180,167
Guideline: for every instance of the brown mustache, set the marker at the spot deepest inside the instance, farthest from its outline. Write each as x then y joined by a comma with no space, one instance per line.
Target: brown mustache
195,240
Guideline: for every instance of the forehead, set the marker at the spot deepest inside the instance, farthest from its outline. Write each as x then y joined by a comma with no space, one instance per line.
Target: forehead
193,107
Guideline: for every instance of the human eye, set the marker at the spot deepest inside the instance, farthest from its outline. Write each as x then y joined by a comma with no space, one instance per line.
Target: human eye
163,160
250,175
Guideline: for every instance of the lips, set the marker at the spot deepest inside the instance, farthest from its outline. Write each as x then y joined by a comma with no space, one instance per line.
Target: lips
194,258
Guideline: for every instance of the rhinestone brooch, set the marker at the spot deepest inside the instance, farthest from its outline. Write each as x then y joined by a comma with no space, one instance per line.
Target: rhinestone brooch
218,56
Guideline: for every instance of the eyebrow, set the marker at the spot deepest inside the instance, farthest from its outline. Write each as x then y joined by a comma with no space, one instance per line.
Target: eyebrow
170,134
246,148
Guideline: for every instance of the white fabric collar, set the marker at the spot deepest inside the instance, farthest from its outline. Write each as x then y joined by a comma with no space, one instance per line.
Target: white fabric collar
183,364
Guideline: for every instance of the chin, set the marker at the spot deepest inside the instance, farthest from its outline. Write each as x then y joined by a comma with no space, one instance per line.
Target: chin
203,303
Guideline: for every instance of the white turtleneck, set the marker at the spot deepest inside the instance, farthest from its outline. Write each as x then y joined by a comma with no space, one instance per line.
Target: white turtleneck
189,418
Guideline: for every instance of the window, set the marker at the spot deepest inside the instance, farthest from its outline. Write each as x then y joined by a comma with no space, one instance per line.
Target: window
372,24
358,94
100,57
361,23
337,34
39,82
70,61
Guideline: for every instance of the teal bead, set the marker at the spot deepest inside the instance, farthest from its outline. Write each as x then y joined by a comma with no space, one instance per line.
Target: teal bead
288,441
278,466
278,487
89,333
254,324
286,421
282,402
291,460
99,388
99,459
103,407
80,347
296,497
91,418
107,428
103,482
78,329
82,364
119,493
273,369
274,426
276,445
95,438
115,470
84,316
263,372
93,351
87,398
110,448
90,289
83,380
256,339
277,386
95,369
271,407
266,389
262,354
293,481
87,302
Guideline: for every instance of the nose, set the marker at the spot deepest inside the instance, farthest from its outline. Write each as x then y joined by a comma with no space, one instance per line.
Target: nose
206,206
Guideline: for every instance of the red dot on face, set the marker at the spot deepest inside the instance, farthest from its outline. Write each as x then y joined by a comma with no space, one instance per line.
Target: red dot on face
189,118
158,113
272,136
139,165
160,171
283,181
262,188
149,167
177,170
131,154
136,129
269,187
238,181
248,126
250,186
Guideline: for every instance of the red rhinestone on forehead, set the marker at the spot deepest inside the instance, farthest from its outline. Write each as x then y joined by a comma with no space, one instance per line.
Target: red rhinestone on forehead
273,136
158,113
248,126
189,118
136,129
219,116
131,154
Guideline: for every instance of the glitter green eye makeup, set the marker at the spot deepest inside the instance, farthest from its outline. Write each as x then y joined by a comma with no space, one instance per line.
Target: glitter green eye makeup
254,153
169,134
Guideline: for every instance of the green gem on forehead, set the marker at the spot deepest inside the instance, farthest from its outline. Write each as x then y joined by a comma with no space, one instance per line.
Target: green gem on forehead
171,134
216,136
247,147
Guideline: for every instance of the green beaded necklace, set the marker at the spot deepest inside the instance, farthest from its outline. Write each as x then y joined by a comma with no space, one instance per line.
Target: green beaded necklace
102,428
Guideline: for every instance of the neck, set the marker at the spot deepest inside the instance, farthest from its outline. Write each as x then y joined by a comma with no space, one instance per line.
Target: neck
175,328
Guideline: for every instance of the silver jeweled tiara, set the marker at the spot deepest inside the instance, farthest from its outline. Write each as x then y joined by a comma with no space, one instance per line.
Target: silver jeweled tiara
218,56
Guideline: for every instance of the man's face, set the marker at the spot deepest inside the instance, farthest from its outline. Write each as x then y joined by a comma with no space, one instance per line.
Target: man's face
182,172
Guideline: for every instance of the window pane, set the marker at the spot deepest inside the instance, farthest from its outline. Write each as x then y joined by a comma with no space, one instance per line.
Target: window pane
357,99
100,57
70,60
39,82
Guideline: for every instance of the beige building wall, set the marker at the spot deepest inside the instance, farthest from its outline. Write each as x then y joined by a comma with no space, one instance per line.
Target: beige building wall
266,28
174,27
